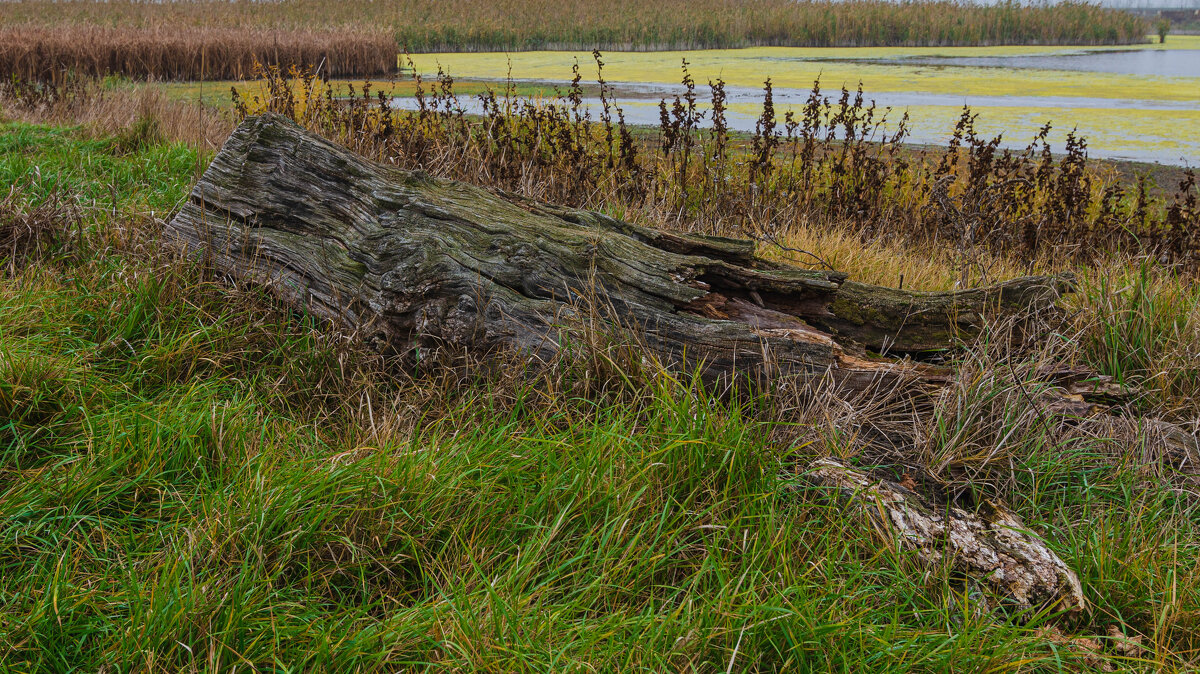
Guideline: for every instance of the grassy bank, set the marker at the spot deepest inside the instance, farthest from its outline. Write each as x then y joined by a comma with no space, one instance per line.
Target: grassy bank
196,478
199,40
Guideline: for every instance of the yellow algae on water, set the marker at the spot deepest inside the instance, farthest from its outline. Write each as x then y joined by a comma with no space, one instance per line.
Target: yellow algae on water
1135,116
1170,134
796,68
1109,131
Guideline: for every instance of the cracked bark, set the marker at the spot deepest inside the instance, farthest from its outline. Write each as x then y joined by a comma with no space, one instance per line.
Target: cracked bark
413,262
991,548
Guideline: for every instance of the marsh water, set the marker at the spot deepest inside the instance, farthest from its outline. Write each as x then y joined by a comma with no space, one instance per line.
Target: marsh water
1138,104
1159,63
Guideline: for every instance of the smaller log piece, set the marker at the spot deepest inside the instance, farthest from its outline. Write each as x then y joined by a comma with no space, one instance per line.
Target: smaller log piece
991,547
1180,449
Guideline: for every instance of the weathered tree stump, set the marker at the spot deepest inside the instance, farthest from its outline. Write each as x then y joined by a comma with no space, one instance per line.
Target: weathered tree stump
415,262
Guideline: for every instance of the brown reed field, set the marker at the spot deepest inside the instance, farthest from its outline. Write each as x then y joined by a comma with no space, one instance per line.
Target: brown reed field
190,52
220,40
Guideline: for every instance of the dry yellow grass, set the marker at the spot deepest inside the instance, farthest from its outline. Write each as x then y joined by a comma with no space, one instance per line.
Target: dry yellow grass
104,112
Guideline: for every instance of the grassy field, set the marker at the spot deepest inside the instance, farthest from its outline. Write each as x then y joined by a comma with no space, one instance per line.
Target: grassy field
216,40
196,478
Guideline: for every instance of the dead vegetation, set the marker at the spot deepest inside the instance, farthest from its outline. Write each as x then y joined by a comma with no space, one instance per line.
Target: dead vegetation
514,25
31,233
842,164
168,51
133,113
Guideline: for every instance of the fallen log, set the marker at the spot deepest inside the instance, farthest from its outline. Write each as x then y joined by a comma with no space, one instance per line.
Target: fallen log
413,262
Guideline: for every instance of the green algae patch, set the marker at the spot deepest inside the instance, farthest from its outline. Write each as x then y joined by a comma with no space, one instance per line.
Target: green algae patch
1121,115
1111,132
797,68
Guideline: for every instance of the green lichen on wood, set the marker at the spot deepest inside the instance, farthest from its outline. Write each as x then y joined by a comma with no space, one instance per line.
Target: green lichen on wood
417,262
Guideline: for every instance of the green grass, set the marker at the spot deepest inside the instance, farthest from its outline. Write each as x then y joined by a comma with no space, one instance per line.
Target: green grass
1145,333
195,479
132,172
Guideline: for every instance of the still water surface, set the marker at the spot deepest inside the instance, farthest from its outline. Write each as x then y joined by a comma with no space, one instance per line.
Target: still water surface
1130,103
1178,63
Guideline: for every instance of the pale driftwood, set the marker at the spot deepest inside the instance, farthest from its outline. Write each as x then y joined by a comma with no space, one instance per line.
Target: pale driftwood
991,547
414,262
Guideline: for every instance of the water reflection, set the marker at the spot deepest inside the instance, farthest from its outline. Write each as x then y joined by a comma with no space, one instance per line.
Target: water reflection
1116,128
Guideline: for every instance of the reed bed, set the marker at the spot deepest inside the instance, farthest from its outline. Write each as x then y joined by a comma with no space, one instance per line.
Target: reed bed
139,38
679,24
189,53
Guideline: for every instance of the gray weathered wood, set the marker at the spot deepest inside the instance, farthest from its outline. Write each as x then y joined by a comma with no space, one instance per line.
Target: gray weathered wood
415,262
991,548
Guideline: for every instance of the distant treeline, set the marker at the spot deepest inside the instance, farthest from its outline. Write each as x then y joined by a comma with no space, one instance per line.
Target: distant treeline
220,38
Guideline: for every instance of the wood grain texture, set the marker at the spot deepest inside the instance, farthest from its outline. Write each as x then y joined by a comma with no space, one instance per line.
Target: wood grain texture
991,548
415,262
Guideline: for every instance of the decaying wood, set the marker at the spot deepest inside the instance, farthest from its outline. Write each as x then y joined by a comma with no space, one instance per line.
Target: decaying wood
1082,397
1180,449
415,262
991,547
1086,384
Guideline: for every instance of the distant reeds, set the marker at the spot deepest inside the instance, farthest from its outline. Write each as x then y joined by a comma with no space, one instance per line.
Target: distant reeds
188,53
177,40
705,24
